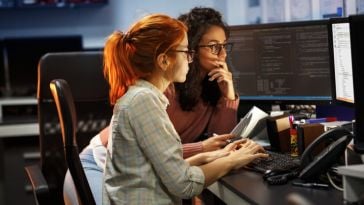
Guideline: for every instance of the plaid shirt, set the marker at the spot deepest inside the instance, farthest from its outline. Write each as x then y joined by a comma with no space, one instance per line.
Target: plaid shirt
144,162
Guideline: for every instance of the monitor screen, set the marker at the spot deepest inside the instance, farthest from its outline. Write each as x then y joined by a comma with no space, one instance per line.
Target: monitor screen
341,63
357,49
281,63
23,55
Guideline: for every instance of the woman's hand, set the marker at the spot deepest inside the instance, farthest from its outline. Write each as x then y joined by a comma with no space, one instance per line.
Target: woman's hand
224,79
216,142
206,157
234,145
246,153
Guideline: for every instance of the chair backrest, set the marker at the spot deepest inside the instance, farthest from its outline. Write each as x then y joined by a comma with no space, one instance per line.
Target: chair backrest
67,116
84,73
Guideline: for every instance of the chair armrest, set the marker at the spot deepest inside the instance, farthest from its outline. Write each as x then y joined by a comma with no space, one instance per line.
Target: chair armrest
39,184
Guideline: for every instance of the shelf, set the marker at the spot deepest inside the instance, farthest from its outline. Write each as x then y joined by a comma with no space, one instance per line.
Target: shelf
19,130
7,3
25,4
18,102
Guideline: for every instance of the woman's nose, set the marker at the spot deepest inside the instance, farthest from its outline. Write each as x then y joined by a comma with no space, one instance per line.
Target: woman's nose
222,55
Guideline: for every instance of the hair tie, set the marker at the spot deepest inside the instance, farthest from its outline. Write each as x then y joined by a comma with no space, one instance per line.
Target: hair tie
127,38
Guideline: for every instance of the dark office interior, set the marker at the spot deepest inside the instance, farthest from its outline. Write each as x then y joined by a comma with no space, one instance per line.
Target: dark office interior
284,60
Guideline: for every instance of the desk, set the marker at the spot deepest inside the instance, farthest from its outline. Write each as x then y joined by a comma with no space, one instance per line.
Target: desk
248,187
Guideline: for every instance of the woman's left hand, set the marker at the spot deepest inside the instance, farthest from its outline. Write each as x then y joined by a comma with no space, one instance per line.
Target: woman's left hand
212,155
224,79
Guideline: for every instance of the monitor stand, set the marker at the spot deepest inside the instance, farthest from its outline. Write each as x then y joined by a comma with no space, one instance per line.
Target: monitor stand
353,182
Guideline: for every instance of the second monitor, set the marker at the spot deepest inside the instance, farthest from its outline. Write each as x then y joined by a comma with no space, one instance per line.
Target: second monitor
21,56
282,62
341,61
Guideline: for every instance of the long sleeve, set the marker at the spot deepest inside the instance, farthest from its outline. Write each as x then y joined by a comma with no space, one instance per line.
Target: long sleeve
161,143
190,149
220,119
146,151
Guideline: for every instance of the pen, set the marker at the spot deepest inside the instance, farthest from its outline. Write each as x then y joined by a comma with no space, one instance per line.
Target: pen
315,120
311,185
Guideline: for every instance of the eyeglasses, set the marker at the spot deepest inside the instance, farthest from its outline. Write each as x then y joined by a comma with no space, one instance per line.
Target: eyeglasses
189,53
217,47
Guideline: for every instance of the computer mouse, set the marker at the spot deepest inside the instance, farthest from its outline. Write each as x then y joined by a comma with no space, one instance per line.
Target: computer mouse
275,172
279,176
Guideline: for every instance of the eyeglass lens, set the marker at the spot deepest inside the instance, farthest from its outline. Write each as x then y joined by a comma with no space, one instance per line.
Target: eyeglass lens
216,48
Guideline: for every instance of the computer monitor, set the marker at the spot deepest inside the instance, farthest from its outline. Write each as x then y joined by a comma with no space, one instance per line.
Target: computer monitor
22,56
357,49
281,63
341,62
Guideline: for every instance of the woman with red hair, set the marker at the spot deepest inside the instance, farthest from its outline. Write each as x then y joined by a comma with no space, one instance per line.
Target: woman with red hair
144,162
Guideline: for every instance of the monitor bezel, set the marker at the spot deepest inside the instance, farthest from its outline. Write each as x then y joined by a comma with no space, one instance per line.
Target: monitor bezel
332,62
2,70
43,45
325,100
358,62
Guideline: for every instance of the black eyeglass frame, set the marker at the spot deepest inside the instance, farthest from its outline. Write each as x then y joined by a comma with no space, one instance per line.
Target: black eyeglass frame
189,53
217,47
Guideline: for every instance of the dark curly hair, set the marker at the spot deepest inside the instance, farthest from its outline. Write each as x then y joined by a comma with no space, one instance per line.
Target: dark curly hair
198,21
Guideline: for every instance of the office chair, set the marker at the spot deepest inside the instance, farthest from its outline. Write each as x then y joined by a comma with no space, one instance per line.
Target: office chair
67,116
84,74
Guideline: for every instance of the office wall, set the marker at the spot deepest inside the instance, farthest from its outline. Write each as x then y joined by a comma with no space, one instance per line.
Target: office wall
236,12
94,23
267,11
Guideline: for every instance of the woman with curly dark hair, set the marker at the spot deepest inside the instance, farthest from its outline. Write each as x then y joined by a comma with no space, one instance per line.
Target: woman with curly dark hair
206,102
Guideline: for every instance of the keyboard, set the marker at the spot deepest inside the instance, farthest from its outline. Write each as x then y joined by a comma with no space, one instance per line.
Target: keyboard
275,161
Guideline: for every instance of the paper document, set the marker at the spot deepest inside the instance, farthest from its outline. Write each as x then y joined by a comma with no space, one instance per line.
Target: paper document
251,124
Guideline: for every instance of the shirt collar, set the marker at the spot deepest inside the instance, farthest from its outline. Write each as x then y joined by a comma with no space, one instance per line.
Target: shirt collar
161,96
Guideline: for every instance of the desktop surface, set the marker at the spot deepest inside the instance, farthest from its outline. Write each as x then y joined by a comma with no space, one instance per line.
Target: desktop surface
251,188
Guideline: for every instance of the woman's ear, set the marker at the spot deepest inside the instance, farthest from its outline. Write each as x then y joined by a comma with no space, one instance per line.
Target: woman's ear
162,61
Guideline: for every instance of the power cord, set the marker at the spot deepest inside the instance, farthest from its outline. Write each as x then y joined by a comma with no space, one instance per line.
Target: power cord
334,169
332,182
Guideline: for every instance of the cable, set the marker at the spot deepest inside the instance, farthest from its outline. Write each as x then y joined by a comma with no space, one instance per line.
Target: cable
334,169
333,183
346,157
